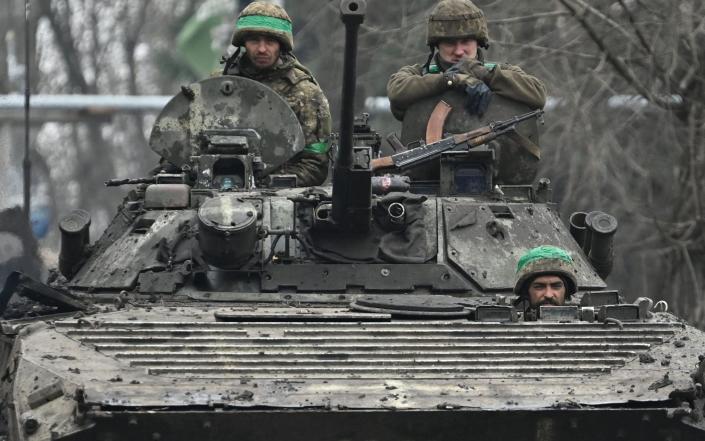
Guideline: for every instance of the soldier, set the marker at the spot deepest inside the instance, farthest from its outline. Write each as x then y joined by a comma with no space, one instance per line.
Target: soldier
457,33
264,31
545,276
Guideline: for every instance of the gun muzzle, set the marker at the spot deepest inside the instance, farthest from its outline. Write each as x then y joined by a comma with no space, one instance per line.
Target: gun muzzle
74,240
602,227
352,194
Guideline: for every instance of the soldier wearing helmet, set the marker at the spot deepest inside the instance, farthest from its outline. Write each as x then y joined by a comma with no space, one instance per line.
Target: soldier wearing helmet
457,35
545,276
264,31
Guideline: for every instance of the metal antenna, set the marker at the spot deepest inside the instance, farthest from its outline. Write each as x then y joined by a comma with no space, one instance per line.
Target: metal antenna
26,164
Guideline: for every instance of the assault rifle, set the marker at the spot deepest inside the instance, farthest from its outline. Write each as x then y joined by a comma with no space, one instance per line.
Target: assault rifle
473,138
130,181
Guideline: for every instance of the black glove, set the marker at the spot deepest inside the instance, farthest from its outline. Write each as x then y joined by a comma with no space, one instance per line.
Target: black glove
478,98
471,66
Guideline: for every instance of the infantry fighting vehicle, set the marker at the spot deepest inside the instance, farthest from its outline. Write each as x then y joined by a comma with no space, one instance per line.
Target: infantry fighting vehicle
223,303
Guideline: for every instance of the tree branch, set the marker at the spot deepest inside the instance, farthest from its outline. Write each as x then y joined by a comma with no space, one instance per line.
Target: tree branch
65,41
615,61
532,17
640,36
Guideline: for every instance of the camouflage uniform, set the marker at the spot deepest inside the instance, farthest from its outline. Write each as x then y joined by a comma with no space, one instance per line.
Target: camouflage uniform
457,19
293,82
545,261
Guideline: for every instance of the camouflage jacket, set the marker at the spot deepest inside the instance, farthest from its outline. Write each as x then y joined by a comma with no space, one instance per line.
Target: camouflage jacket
293,82
411,84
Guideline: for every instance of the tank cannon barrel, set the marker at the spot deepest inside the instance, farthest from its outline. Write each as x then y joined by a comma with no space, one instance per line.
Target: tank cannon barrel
352,13
351,176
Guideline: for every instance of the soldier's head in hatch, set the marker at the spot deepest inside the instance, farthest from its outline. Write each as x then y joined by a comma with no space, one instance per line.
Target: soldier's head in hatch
545,276
457,28
265,31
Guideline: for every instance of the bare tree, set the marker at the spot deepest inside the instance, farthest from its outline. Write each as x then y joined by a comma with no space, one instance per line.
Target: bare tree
655,48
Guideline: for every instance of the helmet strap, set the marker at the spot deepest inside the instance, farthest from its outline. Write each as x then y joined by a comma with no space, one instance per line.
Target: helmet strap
432,48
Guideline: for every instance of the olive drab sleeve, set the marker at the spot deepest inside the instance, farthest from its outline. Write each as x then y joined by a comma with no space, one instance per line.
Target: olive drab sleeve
408,85
512,82
311,108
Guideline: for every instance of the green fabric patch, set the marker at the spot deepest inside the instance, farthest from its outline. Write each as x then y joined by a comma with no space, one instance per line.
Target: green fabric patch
543,252
262,21
317,147
433,68
490,66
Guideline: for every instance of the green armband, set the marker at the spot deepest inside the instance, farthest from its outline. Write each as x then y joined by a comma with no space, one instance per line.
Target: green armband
317,147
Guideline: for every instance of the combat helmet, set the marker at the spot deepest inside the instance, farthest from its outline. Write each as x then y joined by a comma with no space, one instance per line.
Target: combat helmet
457,19
264,18
544,261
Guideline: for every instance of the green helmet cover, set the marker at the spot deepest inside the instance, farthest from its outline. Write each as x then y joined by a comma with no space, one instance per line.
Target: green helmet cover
260,18
543,261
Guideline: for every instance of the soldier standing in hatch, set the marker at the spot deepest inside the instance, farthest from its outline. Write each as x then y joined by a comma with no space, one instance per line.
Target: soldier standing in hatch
264,31
457,33
545,276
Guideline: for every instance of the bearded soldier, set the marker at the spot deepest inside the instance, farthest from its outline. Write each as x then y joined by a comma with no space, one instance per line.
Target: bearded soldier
457,35
264,30
545,276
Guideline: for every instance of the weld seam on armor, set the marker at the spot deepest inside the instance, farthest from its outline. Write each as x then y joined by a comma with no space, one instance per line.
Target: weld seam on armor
261,21
317,147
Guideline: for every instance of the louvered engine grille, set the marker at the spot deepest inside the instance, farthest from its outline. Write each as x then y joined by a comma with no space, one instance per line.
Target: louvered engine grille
370,350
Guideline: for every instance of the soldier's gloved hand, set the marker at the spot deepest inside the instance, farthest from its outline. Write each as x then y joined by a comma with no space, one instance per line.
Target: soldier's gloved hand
471,66
478,98
460,80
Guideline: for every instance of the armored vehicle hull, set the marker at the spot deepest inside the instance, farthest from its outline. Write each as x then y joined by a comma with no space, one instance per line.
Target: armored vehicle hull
223,303
323,372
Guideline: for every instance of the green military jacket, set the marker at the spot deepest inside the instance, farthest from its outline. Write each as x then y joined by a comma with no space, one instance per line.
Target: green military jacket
293,82
411,84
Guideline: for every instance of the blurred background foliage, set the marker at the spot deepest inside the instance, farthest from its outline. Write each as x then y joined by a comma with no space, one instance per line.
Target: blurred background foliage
623,134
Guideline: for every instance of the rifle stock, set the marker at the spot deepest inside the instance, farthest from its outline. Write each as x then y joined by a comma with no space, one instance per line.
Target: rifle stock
467,136
382,163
